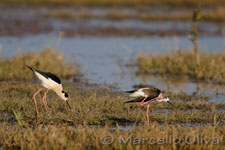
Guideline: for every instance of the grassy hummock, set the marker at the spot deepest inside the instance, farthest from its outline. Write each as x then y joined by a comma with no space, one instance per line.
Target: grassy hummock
204,66
49,60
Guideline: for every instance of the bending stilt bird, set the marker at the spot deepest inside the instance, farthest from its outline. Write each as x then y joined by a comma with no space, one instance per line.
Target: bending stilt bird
145,96
51,82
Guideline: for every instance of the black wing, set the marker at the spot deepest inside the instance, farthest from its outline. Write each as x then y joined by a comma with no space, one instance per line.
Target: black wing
139,99
50,75
152,92
47,75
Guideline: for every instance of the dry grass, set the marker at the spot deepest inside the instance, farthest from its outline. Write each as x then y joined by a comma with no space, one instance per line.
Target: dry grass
69,129
84,137
180,63
14,68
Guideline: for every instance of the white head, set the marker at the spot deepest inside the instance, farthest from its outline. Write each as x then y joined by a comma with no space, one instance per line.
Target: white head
167,100
63,95
163,100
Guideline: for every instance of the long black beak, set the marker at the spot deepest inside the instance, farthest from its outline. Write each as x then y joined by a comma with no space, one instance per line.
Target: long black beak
170,103
68,104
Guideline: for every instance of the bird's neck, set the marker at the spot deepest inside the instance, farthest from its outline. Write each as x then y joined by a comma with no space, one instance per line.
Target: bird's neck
58,92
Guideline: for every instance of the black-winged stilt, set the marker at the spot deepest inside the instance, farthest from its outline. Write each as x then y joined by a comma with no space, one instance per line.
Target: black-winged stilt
147,95
51,82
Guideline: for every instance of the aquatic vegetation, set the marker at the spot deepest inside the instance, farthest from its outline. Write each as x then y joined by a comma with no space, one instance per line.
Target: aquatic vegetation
48,59
181,63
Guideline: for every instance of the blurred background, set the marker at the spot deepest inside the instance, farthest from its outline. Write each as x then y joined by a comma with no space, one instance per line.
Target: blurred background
104,37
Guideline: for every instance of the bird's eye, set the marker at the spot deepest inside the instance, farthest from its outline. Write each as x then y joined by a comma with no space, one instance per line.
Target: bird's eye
66,95
63,91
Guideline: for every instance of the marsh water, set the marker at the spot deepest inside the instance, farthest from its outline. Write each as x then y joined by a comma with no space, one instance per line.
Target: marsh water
103,55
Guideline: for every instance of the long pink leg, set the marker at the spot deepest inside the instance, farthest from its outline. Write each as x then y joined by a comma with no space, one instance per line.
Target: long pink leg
35,101
43,100
143,103
147,114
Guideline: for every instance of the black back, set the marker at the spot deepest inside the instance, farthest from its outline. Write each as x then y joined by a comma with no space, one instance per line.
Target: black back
139,99
47,75
50,75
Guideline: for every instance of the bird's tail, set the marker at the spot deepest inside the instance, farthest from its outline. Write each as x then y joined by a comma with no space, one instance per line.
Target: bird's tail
132,91
29,67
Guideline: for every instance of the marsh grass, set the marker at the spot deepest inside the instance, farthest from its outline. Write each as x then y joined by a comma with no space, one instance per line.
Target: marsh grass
94,107
70,129
49,59
181,63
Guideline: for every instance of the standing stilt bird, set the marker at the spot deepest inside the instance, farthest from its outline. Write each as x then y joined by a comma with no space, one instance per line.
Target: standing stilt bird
145,96
51,82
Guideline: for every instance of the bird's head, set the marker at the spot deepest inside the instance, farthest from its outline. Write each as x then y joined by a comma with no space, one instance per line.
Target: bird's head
167,100
65,97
